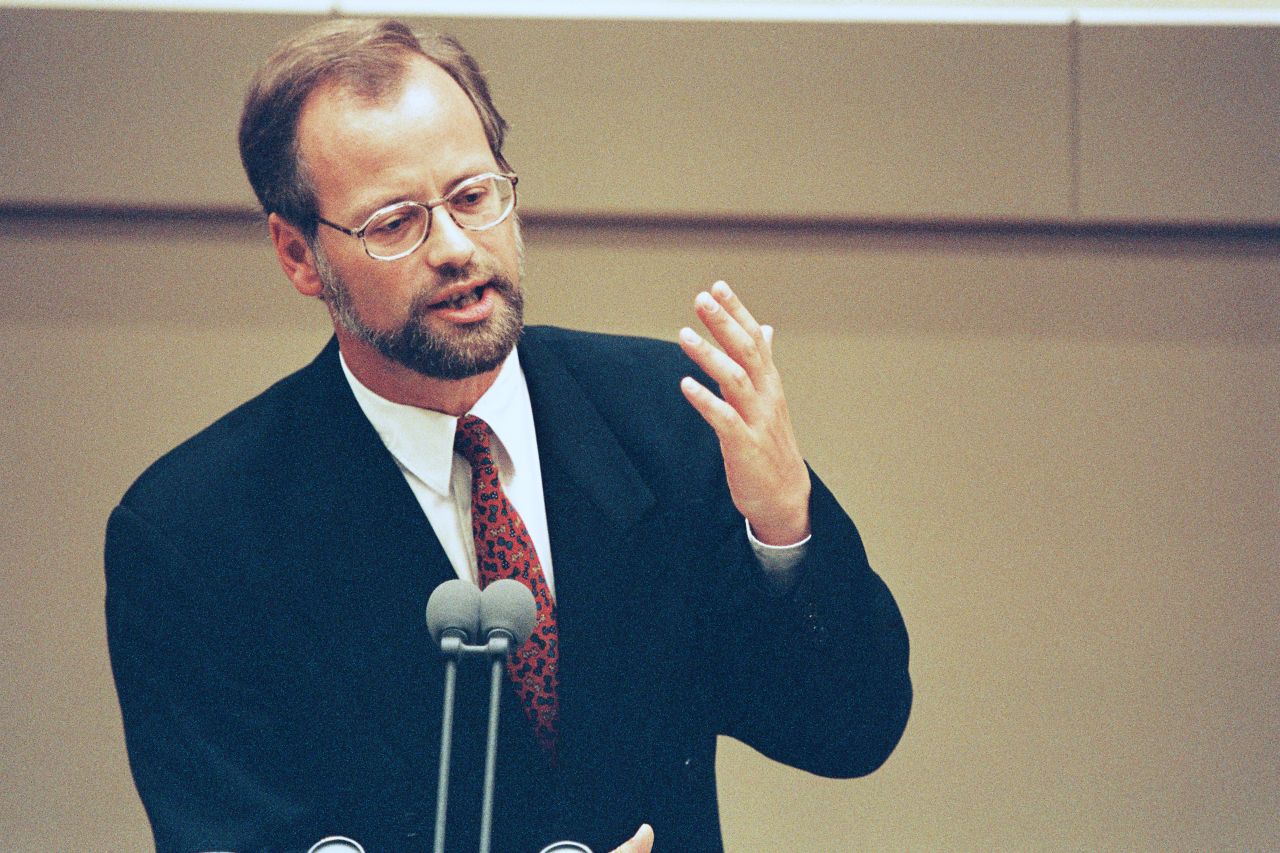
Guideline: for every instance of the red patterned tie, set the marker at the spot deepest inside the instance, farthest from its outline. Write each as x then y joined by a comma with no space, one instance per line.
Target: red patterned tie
505,550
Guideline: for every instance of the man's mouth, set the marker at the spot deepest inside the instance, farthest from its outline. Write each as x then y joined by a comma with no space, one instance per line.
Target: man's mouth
463,299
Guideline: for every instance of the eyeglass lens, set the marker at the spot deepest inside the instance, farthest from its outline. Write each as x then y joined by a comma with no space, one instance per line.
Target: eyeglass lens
397,230
474,205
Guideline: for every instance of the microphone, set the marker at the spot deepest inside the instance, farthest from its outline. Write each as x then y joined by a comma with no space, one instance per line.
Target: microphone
508,614
453,610
507,609
453,619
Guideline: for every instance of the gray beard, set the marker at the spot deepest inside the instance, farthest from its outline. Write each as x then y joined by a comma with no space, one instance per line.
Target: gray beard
466,352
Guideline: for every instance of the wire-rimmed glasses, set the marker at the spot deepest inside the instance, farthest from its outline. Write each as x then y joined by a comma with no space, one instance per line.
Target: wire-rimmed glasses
397,230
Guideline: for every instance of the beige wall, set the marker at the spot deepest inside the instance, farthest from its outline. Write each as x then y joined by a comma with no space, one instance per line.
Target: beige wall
1059,443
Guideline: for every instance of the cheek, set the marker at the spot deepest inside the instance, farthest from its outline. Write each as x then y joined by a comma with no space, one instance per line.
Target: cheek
387,294
507,255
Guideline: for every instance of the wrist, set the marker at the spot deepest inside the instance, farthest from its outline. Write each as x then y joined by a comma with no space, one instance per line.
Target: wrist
781,530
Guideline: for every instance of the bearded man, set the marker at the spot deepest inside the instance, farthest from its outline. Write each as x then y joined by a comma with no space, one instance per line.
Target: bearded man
266,579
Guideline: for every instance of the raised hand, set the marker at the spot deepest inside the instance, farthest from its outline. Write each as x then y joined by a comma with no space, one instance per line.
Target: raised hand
766,473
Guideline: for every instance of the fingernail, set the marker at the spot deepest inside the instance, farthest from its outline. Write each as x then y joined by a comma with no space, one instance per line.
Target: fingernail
689,336
706,302
722,288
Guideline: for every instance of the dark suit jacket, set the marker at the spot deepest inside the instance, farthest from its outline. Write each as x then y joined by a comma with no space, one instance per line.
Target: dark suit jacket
266,584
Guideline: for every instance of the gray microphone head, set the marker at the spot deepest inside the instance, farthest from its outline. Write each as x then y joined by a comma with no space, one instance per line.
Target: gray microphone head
508,605
454,607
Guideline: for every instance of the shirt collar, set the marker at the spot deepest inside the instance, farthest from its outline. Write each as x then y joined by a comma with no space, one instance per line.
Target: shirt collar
421,440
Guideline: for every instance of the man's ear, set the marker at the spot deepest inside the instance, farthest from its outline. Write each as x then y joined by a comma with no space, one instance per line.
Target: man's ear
296,258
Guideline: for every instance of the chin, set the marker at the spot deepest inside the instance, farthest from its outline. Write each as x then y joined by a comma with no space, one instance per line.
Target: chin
456,353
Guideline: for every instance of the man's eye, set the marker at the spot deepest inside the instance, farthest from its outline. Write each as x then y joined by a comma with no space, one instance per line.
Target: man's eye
390,226
471,197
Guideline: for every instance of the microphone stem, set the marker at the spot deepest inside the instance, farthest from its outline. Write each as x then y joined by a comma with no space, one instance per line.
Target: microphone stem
446,748
491,751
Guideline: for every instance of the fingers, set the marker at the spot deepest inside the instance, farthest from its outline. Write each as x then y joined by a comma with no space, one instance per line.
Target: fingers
641,842
766,474
735,330
730,302
734,380
742,366
719,415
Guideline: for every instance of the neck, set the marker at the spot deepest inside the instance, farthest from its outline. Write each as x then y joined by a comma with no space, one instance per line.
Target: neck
399,384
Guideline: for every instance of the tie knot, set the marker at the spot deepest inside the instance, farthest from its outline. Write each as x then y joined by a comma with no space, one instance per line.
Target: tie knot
472,440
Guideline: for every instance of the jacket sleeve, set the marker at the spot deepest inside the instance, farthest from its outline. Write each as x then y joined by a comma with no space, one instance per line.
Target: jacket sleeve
816,678
199,743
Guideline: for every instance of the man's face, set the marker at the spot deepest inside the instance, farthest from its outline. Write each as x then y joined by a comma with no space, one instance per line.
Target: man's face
453,308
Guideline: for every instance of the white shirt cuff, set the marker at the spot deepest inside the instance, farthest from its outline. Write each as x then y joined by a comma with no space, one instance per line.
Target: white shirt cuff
779,562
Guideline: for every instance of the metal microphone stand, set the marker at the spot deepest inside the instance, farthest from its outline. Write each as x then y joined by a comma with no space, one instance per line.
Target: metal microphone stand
453,648
498,647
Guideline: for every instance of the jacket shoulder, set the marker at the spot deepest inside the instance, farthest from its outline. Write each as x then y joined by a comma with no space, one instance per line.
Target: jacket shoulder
599,360
243,449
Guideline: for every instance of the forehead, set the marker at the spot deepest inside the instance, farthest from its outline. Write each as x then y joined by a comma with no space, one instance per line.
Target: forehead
417,136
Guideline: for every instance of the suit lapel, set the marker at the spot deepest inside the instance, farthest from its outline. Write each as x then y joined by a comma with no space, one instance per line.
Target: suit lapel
574,441
359,487
369,562
594,494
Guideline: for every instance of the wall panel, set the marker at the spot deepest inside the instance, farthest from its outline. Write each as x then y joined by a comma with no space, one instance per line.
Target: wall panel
850,120
691,118
127,108
1180,124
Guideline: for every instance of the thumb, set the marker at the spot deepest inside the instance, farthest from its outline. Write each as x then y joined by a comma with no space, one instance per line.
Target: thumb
641,842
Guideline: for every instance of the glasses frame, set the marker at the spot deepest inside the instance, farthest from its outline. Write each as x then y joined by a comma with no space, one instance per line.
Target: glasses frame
429,207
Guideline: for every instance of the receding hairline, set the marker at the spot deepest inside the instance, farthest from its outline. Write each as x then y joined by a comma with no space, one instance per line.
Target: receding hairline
338,89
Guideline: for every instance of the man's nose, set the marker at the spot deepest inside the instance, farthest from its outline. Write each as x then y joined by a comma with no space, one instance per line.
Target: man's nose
448,244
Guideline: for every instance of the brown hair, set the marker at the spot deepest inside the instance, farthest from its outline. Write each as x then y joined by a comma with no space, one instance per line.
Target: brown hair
368,58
